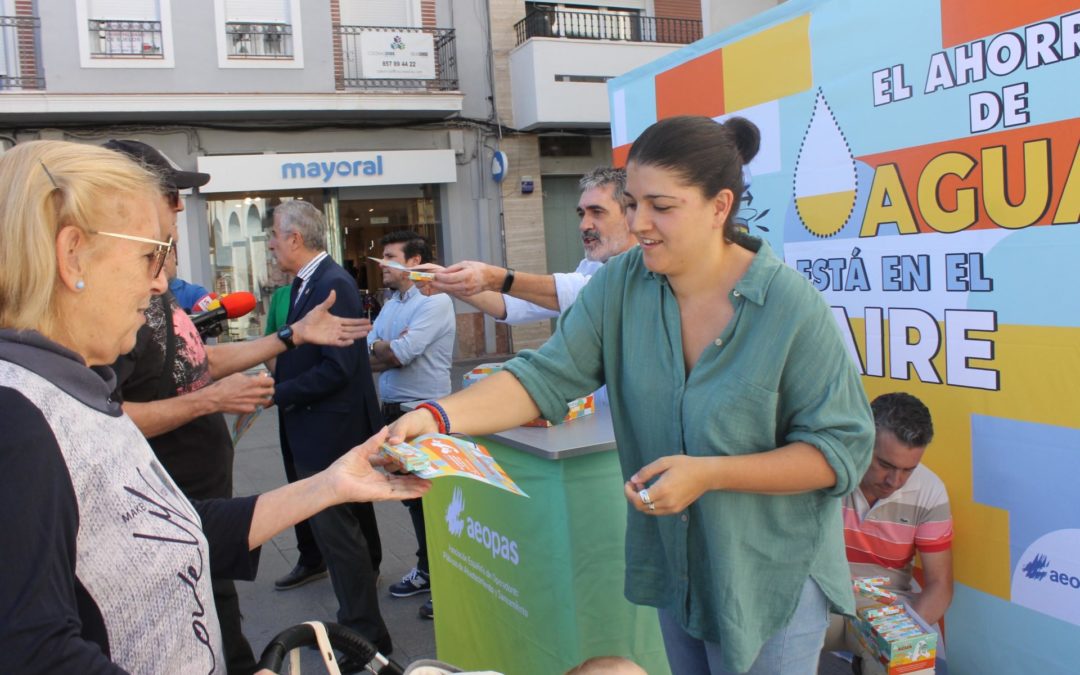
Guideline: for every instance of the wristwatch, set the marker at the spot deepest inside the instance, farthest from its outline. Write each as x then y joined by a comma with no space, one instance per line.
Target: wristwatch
286,335
508,281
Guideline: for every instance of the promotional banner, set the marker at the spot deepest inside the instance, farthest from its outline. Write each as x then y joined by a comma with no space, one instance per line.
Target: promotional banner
919,165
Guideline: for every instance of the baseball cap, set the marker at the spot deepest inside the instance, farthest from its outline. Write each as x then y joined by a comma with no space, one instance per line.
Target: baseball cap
156,161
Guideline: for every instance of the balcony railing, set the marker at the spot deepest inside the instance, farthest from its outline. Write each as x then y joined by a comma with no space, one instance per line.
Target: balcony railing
125,39
20,61
415,67
259,40
621,26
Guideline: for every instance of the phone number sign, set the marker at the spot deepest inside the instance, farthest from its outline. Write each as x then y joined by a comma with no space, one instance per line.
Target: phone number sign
399,56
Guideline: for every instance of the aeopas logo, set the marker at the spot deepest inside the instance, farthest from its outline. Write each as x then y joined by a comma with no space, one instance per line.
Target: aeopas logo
1046,576
453,513
1037,569
500,546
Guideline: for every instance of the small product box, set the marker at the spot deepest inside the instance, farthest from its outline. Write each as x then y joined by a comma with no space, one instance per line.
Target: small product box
578,407
892,640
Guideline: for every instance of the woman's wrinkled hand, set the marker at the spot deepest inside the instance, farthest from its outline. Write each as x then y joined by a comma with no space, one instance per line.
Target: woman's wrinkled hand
353,477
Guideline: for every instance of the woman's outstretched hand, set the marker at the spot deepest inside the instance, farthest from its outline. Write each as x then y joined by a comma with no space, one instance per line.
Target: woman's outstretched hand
353,477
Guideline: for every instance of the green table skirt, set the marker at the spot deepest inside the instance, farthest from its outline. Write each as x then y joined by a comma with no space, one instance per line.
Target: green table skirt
535,585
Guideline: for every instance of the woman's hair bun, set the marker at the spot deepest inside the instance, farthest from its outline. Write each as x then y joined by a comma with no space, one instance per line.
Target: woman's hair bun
747,137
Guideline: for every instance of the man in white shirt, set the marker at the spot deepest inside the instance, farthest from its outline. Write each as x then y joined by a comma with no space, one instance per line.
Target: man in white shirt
519,297
412,346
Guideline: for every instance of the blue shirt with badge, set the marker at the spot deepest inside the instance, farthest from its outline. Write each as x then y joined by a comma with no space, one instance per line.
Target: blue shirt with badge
420,330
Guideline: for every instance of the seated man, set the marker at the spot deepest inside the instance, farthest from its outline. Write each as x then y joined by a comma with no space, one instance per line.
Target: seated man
902,507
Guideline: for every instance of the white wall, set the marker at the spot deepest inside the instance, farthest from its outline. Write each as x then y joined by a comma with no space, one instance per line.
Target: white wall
540,100
719,14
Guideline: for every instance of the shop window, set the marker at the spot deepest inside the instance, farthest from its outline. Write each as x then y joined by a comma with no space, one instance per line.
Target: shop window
240,227
239,254
365,221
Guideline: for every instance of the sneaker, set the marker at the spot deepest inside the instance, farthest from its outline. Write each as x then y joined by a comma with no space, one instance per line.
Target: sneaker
300,575
413,583
427,610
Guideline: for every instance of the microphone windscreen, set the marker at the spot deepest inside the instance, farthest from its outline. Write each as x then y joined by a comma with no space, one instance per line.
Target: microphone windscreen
238,304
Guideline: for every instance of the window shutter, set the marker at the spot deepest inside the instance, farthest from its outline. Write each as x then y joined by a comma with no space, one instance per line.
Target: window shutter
257,11
132,10
377,13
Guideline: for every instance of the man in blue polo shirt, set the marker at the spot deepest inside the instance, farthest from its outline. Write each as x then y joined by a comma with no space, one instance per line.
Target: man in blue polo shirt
412,346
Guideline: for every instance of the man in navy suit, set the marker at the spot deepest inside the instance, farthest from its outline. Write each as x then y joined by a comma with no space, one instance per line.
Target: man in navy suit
327,404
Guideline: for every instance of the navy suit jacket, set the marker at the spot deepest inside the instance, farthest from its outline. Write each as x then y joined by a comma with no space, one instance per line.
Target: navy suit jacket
326,395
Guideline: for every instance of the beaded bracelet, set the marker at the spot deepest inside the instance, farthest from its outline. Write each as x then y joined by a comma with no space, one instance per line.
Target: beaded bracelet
437,411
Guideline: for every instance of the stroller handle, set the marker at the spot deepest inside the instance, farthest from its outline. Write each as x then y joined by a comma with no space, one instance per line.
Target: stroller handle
342,639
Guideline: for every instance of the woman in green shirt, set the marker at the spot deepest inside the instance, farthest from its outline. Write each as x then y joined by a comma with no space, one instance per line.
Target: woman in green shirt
739,416
278,313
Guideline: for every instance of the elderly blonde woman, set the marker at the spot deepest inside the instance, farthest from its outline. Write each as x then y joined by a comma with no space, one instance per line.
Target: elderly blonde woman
106,566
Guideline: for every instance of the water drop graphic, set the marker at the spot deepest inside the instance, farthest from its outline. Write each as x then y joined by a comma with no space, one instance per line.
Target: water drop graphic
825,179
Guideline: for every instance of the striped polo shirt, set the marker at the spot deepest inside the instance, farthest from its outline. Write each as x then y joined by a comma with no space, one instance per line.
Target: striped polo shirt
882,541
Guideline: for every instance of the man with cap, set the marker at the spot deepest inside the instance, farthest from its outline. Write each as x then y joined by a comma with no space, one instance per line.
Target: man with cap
176,389
186,293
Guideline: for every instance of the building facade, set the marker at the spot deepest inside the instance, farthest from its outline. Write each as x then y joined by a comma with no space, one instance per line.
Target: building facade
551,64
384,113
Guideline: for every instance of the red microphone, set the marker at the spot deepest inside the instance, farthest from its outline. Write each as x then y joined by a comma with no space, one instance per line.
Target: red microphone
237,304
230,306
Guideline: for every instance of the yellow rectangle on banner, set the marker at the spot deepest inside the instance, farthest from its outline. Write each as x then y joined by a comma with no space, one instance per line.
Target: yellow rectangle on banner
769,65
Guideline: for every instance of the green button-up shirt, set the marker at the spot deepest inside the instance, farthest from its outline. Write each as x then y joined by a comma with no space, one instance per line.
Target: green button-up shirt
732,565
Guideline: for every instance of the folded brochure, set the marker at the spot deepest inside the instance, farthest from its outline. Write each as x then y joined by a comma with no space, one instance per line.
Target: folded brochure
414,274
436,455
243,422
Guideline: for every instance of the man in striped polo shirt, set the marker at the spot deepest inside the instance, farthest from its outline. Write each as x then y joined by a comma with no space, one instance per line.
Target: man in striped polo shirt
902,507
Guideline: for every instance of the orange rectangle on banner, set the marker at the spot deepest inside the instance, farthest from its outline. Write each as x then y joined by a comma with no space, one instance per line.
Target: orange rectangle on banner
768,65
964,21
1028,176
619,155
692,88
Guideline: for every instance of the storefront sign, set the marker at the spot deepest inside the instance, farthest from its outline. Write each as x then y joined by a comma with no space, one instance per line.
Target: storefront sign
923,173
328,170
397,56
241,173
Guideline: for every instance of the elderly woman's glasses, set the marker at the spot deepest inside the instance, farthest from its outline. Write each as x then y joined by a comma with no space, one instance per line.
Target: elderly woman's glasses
157,257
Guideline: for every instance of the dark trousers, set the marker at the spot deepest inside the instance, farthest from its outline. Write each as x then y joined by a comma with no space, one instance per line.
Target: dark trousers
416,512
391,412
340,536
239,659
310,555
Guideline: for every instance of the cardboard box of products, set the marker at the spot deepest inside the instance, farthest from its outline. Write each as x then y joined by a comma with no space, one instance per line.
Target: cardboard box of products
889,645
